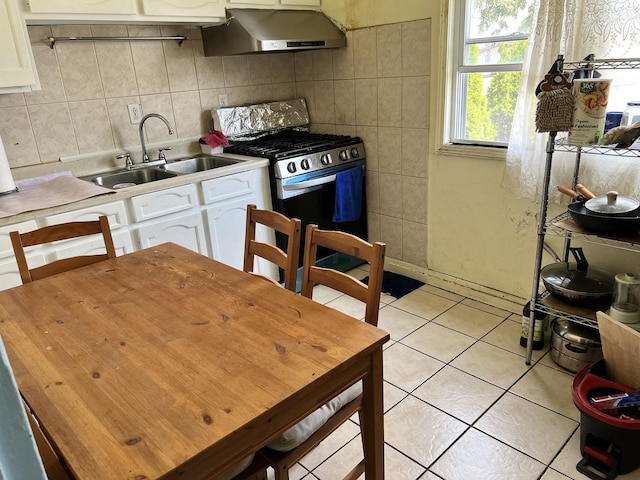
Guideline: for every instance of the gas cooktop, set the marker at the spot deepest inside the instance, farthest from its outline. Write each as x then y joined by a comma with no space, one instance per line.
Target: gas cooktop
289,144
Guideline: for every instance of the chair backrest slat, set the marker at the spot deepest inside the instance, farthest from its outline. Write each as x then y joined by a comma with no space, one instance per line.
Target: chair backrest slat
55,233
350,244
288,261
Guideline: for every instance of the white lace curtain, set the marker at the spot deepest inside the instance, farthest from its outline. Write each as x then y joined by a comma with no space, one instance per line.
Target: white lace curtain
575,28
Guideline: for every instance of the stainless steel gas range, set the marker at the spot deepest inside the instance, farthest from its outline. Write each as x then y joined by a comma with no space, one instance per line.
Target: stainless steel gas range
305,171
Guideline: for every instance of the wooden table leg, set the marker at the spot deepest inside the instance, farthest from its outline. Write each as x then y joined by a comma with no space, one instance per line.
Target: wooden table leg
373,419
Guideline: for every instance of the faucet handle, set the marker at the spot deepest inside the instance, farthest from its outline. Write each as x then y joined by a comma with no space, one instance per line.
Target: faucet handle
128,163
161,155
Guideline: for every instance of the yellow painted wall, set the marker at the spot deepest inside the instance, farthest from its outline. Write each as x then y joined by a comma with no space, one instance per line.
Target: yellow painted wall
481,237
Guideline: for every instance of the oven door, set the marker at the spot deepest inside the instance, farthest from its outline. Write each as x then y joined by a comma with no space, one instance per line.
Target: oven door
311,198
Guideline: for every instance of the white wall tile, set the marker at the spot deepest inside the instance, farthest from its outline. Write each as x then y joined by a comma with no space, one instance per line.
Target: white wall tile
53,131
186,110
91,125
389,48
17,136
365,53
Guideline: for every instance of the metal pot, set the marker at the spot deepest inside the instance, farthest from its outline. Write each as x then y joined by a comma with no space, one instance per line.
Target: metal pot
573,346
577,283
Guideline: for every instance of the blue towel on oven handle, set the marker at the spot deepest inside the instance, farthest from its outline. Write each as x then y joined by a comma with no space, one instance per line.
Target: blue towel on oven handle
348,195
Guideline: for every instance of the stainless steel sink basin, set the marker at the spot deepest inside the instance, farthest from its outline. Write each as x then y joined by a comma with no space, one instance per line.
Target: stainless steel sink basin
198,164
129,178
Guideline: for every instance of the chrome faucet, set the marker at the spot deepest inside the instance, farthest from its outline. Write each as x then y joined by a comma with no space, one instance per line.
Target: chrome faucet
145,157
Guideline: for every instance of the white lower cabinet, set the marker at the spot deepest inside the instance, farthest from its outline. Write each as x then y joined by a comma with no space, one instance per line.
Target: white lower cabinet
213,226
9,274
186,230
226,222
226,200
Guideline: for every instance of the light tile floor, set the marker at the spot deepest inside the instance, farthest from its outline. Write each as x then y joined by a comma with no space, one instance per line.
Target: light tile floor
460,402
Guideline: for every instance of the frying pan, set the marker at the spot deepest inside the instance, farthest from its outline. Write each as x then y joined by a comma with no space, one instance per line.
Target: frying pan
619,225
578,283
616,225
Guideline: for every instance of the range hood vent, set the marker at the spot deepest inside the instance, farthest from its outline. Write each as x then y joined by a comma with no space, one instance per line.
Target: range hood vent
264,30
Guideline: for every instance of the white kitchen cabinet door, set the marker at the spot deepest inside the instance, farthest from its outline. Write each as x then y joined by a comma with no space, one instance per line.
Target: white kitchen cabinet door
126,7
185,230
116,212
6,250
299,3
164,202
184,8
231,186
9,273
91,245
17,68
245,3
226,221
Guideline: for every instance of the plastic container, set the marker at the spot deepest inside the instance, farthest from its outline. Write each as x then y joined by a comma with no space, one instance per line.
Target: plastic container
631,114
538,328
609,445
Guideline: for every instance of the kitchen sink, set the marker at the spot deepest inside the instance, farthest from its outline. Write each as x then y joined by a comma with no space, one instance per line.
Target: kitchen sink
129,178
197,164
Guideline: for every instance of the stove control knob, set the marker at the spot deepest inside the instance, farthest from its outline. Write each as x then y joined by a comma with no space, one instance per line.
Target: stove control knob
291,167
305,164
355,153
325,159
344,155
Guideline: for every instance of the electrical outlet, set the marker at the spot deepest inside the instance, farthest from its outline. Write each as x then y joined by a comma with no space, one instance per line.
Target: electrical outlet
135,113
223,100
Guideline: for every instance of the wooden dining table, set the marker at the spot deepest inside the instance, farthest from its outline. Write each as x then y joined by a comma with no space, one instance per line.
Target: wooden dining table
166,364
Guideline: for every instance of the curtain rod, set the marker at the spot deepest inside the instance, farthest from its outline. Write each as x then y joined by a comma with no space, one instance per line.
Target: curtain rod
52,40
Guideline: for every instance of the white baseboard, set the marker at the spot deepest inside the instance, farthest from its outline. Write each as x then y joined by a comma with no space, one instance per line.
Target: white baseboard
475,291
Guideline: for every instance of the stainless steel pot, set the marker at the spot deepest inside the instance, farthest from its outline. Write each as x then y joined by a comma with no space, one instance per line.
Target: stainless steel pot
573,345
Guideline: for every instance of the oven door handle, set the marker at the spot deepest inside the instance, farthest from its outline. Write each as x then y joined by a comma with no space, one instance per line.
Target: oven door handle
310,183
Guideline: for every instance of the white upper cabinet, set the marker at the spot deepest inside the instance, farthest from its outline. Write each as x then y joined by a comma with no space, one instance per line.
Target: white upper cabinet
272,3
199,12
17,70
298,3
118,7
191,8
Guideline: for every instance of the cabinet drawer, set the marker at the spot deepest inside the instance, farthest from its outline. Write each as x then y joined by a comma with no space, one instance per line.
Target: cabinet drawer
83,6
9,273
201,8
186,230
116,211
164,202
6,250
91,245
223,188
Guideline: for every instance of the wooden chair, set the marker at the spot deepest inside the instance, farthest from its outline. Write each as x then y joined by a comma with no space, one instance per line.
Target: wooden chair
345,403
287,261
53,233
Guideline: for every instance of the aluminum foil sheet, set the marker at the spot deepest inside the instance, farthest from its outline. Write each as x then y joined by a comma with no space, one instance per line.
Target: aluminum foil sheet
252,121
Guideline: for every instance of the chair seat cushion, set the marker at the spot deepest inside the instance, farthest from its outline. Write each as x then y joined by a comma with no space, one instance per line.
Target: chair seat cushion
236,469
306,427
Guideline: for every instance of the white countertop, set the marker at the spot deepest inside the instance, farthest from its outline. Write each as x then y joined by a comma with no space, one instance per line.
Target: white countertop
82,169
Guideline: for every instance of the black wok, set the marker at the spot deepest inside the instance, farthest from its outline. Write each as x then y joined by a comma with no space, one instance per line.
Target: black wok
578,283
624,225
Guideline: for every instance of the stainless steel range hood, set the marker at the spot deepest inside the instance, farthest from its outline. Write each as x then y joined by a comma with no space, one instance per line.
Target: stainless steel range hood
264,30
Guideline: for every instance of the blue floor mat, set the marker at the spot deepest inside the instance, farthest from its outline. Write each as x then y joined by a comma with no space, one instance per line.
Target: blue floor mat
397,285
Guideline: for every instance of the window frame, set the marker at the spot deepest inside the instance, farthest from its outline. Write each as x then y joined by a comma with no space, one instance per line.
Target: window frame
456,77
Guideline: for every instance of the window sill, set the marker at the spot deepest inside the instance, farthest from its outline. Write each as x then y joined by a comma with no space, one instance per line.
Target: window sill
474,151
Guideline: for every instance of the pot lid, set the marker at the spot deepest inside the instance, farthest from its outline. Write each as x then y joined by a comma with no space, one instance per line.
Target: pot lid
566,276
575,333
612,204
578,277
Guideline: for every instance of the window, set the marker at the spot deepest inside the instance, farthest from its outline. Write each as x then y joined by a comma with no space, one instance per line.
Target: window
489,39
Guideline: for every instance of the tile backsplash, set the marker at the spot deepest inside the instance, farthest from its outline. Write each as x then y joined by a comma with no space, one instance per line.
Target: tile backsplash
376,88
